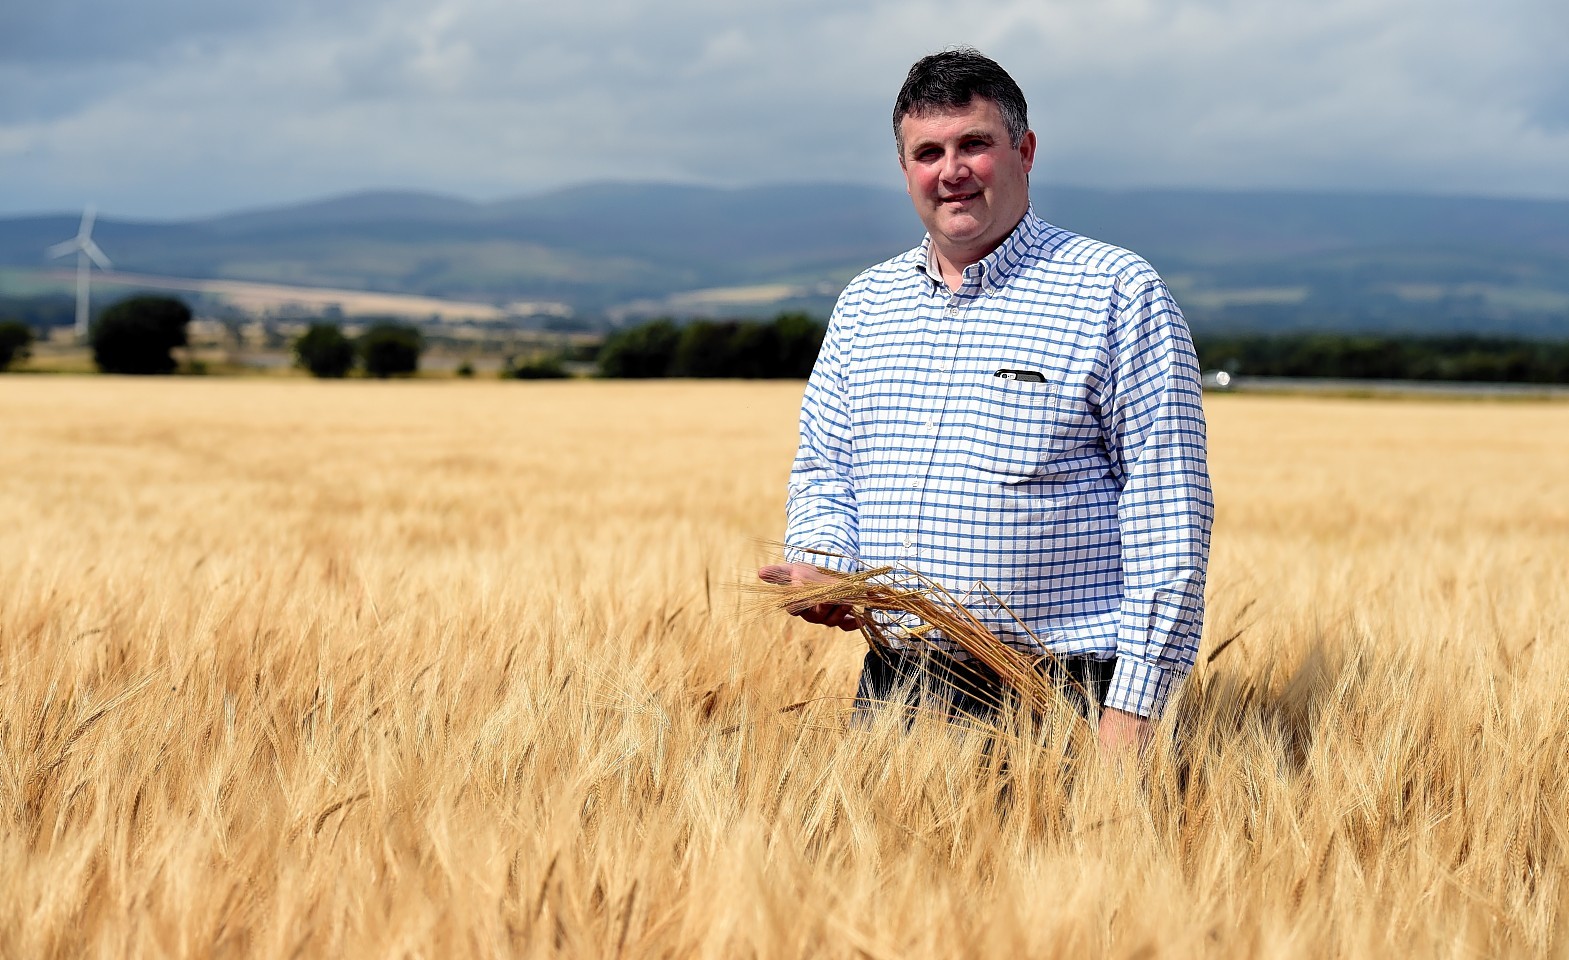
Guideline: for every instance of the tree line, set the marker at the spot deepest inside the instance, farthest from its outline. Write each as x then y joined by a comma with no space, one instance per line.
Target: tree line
1361,357
785,347
137,335
788,346
383,350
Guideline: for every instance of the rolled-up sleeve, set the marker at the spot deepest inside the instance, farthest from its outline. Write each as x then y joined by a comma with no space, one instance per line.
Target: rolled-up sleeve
820,514
1153,423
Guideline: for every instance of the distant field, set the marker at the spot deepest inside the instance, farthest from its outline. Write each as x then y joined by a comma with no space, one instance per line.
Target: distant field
295,668
264,298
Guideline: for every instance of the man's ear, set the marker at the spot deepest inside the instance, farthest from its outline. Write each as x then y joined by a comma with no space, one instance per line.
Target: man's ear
1027,150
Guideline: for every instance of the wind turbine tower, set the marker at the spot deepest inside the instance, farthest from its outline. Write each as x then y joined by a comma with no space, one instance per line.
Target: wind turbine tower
87,254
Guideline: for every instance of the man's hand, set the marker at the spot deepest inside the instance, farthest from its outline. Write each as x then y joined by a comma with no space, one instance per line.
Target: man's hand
1120,730
828,614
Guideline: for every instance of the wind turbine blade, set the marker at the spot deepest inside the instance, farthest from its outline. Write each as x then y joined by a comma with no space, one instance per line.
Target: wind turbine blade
96,255
89,214
61,249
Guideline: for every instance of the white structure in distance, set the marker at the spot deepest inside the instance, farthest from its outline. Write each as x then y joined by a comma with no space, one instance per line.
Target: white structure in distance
87,254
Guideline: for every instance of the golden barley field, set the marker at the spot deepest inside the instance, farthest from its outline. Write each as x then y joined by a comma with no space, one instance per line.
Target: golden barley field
450,669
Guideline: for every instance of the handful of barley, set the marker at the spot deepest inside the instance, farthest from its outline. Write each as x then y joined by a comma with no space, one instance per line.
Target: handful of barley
934,608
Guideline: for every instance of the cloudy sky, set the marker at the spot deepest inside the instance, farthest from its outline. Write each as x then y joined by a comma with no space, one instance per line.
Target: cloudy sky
171,108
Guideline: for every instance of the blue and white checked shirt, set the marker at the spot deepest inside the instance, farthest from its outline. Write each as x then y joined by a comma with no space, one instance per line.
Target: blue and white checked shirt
1083,501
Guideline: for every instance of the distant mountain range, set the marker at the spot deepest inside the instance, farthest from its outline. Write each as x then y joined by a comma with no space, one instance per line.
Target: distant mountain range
1244,260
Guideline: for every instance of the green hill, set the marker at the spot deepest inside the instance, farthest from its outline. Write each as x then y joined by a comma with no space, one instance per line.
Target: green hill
1243,260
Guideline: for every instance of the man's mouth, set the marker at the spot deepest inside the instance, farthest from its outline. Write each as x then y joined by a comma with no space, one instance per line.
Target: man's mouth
959,197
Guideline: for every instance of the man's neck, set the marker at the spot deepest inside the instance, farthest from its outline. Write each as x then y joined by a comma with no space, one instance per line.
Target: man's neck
951,272
951,264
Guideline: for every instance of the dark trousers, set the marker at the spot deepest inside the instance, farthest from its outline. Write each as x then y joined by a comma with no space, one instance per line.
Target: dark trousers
927,680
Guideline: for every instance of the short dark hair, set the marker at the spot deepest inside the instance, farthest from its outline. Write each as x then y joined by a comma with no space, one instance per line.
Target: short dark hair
952,79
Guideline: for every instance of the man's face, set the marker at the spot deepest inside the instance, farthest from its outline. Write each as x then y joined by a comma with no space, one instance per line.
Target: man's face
969,184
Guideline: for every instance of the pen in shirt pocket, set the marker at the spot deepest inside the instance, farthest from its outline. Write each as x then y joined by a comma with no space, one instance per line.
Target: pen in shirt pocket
1027,376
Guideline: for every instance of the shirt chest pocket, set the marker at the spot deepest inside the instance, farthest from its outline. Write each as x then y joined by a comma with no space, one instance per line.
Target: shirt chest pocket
1014,430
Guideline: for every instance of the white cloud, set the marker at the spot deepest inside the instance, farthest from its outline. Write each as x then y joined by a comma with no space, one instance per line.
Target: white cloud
486,98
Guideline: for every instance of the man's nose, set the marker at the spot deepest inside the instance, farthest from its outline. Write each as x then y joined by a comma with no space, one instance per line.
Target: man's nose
954,169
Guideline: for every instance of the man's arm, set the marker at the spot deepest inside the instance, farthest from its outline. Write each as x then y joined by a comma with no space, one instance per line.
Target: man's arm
821,521
820,512
1153,423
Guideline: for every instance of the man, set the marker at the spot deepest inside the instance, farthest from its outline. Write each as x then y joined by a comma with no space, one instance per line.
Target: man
1013,405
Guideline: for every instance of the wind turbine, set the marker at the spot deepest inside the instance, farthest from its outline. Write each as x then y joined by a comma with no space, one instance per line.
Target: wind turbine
87,254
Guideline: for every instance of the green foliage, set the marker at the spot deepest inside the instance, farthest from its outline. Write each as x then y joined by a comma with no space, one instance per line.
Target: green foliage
547,367
15,339
391,349
324,351
137,334
788,345
584,351
646,350
465,370
785,347
1455,358
707,349
800,337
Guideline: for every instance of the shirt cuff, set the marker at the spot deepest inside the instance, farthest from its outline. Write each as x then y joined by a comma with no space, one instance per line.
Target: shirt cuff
1140,688
837,562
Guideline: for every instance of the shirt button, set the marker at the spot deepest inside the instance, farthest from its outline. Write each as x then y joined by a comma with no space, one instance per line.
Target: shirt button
931,422
908,543
943,368
914,484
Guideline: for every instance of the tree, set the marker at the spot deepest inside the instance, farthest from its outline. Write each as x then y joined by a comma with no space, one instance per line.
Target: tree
15,339
1462,357
546,367
706,349
754,351
136,335
647,350
800,337
784,347
388,349
324,350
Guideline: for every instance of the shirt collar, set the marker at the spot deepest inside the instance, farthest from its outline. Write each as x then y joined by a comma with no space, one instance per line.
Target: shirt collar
993,270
